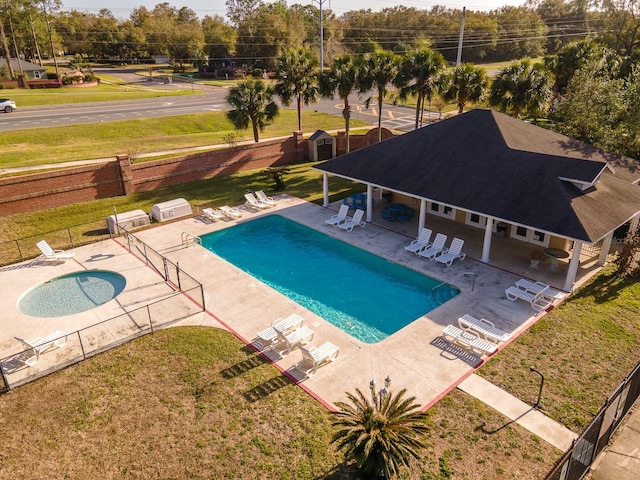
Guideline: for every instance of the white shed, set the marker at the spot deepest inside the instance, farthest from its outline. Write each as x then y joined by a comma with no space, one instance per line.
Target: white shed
164,211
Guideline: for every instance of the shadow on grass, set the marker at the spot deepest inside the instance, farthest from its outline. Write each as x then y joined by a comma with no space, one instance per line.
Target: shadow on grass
239,368
266,388
604,288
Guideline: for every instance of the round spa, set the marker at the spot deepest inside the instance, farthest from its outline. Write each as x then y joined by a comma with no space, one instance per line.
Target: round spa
72,293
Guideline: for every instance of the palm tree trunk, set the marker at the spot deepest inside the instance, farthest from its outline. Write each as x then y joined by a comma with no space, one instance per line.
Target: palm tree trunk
254,124
379,117
419,104
346,113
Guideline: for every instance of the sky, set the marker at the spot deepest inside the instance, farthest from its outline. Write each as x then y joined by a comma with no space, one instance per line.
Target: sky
122,8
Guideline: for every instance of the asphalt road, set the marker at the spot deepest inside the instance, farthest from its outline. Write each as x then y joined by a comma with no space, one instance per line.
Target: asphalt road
211,99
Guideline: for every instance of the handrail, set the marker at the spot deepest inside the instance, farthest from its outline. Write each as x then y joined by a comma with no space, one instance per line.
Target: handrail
473,284
185,236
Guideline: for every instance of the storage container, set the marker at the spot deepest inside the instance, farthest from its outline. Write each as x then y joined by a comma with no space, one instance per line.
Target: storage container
164,211
128,220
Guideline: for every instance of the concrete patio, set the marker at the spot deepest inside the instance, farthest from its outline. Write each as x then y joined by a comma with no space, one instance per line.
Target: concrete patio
415,357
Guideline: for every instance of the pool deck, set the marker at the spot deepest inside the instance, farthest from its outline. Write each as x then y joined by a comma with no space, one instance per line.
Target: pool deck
416,357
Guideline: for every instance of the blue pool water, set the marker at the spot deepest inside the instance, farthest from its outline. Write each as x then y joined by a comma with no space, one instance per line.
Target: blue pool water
73,293
363,294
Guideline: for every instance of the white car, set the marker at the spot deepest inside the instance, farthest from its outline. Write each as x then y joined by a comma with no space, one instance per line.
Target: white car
7,105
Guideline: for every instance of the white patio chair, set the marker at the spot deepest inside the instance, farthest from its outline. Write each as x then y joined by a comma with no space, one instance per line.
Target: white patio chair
484,328
538,300
468,339
267,336
355,221
293,339
313,358
262,197
339,217
230,212
212,214
253,202
437,247
421,242
49,253
35,347
454,252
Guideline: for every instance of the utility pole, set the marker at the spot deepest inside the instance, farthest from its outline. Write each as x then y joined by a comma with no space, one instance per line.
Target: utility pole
459,58
320,3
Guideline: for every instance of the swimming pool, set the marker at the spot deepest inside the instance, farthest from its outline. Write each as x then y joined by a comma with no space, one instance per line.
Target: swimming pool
73,293
363,294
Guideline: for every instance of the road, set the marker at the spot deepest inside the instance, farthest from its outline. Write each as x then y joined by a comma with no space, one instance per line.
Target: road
211,99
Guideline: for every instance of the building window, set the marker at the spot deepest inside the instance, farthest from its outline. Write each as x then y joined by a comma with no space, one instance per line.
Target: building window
532,236
476,220
442,211
36,74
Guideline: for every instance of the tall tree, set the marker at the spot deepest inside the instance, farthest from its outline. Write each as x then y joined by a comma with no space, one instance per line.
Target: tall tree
521,88
377,71
381,434
466,83
417,77
296,78
341,78
252,102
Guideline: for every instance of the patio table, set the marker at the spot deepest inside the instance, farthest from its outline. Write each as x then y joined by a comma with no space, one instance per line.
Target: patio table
555,254
397,211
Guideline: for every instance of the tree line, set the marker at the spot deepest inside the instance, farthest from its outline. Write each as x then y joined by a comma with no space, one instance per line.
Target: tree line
586,90
256,33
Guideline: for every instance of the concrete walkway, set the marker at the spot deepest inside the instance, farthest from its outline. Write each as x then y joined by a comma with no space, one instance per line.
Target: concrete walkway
621,458
516,410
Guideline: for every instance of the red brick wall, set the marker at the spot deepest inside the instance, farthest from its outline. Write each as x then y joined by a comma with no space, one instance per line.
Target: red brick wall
37,191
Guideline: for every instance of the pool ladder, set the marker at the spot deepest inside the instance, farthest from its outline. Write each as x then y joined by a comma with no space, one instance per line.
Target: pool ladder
186,237
473,284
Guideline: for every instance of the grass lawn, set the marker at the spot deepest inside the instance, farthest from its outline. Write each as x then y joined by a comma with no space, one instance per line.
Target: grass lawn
30,147
195,403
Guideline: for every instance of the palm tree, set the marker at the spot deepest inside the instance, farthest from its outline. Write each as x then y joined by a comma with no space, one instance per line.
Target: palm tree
380,434
522,87
377,71
417,77
341,78
296,76
253,103
466,83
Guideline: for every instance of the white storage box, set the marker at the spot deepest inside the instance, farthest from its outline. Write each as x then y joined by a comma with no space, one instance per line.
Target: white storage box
164,211
128,220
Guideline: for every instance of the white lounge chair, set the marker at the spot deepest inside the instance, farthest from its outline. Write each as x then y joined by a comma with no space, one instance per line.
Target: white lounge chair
49,253
355,221
293,339
339,217
39,345
313,358
212,214
437,247
253,202
231,212
268,335
454,252
484,328
538,300
262,197
468,339
421,242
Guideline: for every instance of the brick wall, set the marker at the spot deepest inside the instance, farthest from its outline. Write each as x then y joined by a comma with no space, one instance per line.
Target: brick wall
37,191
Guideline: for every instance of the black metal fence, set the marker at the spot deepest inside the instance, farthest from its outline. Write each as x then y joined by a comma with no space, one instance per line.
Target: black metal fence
15,251
187,299
577,461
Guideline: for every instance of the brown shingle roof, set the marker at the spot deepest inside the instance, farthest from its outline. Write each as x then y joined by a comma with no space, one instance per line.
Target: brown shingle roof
495,165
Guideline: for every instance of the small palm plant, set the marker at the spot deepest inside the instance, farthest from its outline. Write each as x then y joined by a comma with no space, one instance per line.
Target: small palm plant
381,434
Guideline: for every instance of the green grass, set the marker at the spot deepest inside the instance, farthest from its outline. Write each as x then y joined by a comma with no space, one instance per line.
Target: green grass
584,348
194,402
23,148
105,92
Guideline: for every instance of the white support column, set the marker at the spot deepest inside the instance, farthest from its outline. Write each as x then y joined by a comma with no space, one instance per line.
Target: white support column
486,246
325,189
574,263
423,215
606,246
369,202
634,224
